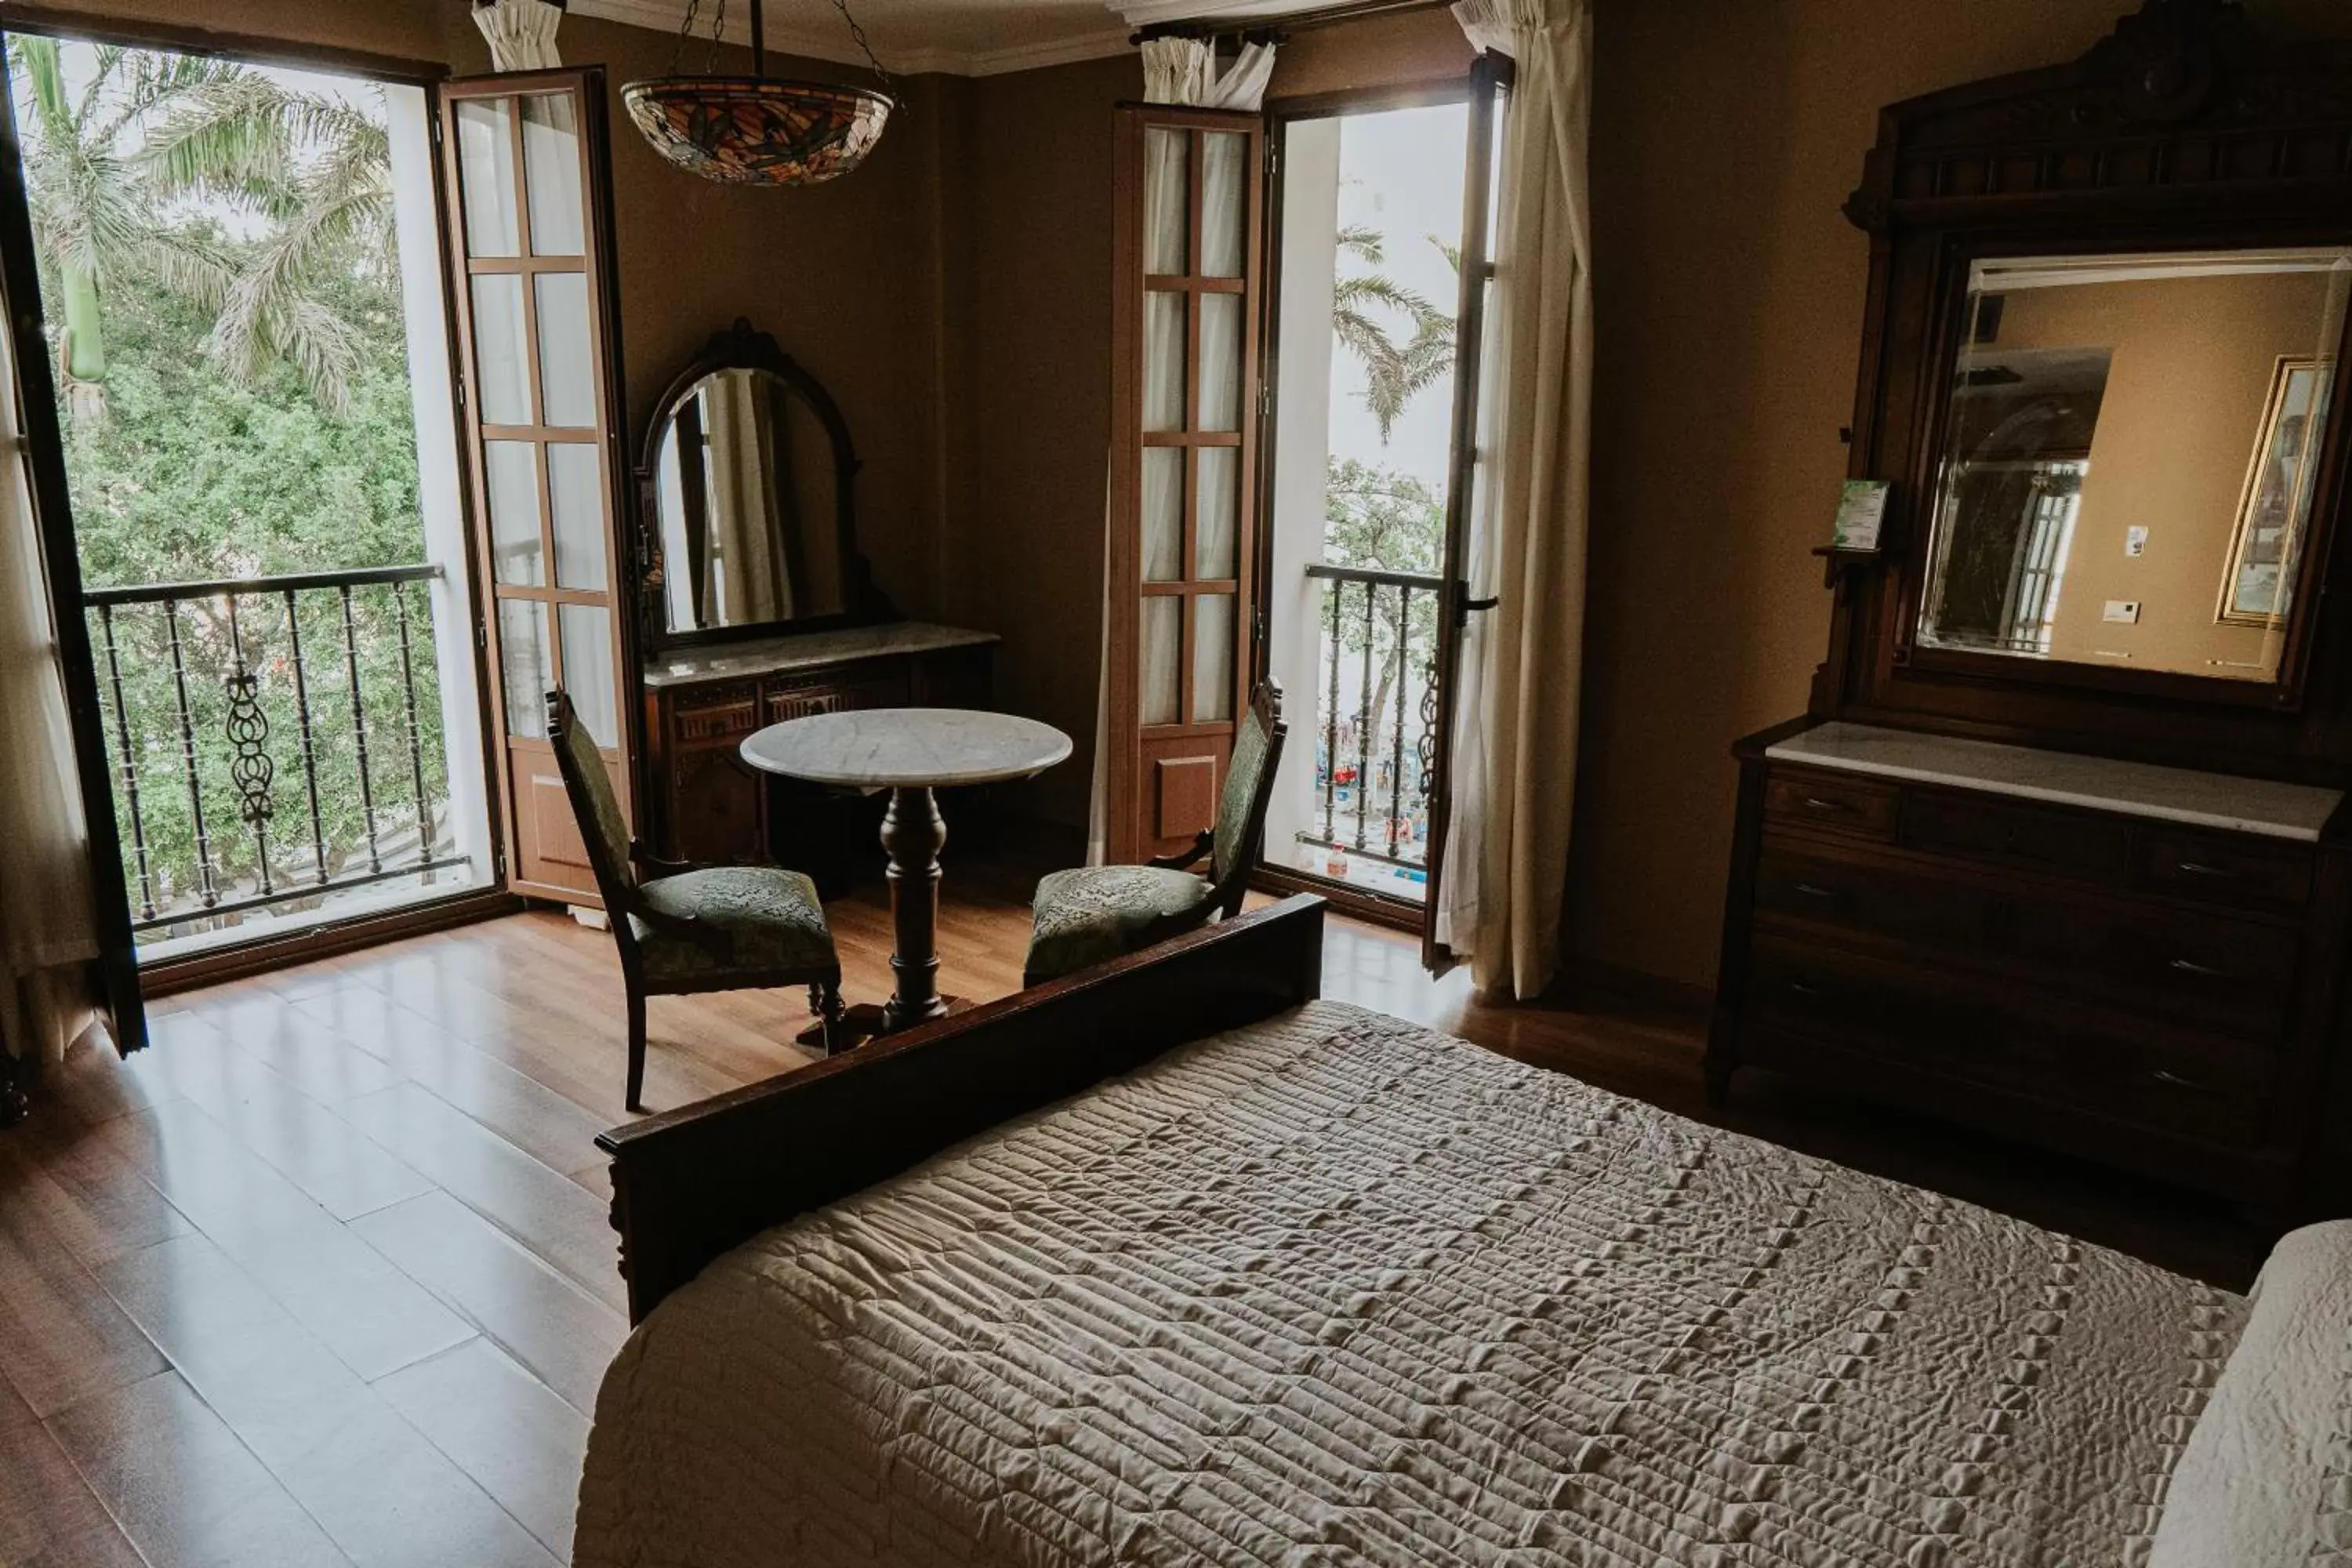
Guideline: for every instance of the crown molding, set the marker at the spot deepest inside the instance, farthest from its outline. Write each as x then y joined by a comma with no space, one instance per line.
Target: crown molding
668,16
1145,13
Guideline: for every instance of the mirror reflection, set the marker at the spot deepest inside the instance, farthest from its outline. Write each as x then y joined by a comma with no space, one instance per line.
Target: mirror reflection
2128,459
749,501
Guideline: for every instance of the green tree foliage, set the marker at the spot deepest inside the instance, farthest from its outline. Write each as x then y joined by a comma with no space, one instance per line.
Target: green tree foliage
256,420
1364,309
1379,519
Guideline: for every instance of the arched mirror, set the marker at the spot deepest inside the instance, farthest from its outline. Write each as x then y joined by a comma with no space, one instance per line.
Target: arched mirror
747,499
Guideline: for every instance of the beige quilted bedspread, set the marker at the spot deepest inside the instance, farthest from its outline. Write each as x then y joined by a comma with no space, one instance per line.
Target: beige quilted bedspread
1339,1289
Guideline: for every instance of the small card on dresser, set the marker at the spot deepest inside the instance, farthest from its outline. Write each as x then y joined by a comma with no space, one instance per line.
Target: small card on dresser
1862,508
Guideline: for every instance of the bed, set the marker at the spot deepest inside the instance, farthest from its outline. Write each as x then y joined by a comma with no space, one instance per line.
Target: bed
1174,1263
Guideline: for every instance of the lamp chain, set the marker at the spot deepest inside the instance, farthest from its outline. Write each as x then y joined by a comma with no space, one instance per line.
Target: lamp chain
677,45
717,36
857,36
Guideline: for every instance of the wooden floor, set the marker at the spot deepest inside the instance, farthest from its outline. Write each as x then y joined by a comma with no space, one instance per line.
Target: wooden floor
325,1276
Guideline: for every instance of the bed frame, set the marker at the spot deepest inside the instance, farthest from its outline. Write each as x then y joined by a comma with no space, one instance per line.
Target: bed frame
691,1183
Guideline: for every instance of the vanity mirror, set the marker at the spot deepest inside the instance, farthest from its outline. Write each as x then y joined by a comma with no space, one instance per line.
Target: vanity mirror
2129,449
747,510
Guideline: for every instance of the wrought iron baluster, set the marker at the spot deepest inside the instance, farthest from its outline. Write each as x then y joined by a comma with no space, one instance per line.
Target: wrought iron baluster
303,717
425,835
130,765
1396,742
250,769
1364,726
207,893
1425,749
1331,726
359,730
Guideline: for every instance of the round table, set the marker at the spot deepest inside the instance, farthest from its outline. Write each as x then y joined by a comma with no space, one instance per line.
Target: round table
910,752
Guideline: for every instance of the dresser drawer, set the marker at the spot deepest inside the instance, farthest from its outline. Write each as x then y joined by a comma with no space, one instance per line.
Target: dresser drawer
2016,832
2015,1041
2142,957
802,699
1834,801
2227,867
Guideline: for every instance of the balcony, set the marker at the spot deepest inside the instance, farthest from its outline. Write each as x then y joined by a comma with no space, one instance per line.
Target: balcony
1366,822
279,751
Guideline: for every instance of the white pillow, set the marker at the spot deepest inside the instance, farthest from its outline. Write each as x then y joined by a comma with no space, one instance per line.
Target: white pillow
2266,1476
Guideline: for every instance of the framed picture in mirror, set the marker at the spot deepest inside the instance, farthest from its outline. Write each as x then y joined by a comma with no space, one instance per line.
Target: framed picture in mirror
2095,462
2257,580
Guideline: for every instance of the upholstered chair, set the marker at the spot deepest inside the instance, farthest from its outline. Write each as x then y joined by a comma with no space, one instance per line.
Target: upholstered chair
683,929
1091,913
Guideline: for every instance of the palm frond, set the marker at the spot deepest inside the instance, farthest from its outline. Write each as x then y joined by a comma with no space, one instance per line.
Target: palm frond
1361,241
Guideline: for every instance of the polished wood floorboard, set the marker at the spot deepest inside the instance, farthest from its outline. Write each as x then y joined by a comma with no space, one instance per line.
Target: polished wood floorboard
326,1276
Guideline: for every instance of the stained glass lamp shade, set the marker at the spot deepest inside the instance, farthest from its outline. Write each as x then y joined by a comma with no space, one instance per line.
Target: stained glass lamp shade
760,130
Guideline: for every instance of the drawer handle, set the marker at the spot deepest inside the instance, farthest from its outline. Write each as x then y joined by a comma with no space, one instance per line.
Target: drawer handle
1814,890
2200,869
2175,1079
1820,802
1802,989
2190,966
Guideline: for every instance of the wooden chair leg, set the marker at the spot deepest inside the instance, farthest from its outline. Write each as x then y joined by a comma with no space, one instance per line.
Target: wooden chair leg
829,1010
636,1049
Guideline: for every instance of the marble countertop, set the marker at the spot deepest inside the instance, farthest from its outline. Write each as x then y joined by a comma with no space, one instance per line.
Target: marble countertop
906,748
805,650
2137,789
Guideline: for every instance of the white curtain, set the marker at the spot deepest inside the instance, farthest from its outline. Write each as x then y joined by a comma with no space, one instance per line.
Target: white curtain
47,927
751,584
522,33
1514,766
1184,71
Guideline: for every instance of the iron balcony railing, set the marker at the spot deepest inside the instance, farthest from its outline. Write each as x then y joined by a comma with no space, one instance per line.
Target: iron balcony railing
1375,760
215,691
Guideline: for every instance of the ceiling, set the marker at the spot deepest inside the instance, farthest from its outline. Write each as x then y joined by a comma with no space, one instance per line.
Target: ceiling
960,38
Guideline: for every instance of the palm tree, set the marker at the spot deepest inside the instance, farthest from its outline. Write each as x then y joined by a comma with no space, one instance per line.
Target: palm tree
113,171
1394,373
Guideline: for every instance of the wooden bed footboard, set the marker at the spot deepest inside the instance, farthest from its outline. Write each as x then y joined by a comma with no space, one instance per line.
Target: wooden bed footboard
690,1184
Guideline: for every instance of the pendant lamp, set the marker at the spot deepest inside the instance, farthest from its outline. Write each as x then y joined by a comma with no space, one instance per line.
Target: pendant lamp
760,130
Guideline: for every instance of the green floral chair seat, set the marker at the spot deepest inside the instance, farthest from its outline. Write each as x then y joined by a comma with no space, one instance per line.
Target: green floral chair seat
770,917
1091,913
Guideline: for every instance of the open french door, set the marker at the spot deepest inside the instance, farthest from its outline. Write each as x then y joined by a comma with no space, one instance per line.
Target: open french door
1187,255
529,224
1469,480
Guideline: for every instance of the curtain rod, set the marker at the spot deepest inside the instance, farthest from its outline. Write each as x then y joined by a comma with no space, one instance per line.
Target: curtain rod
1275,28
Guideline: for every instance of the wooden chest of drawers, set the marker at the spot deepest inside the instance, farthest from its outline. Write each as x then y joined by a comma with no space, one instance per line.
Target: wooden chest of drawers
2158,996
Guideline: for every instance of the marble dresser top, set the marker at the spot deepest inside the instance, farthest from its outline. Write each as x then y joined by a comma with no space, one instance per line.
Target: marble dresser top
906,748
806,650
2137,789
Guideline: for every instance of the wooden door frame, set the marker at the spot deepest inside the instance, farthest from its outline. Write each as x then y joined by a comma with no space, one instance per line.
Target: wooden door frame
1124,566
1363,903
601,240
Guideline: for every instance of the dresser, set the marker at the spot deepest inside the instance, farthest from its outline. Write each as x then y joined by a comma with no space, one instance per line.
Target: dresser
702,803
2141,964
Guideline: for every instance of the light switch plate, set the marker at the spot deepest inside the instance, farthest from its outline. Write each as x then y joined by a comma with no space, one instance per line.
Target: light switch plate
2136,541
2124,610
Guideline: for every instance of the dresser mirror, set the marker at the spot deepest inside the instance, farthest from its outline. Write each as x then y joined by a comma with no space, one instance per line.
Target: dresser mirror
2131,444
746,498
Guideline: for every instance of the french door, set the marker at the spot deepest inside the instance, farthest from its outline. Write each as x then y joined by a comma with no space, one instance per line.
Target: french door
1187,247
527,214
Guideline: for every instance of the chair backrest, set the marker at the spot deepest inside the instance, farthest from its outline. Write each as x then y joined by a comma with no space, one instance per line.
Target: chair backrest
594,804
1249,790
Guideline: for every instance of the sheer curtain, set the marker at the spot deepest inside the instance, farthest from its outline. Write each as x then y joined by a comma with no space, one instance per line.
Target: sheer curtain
47,927
1514,761
522,33
745,499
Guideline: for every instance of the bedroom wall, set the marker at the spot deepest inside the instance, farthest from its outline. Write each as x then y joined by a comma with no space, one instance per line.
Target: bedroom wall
1729,292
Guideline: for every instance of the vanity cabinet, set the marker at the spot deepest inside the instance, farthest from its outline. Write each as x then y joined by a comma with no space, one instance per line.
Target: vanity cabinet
704,803
2157,991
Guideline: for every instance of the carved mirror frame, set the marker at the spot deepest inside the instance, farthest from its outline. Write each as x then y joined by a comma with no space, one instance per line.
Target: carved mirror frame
743,347
2185,129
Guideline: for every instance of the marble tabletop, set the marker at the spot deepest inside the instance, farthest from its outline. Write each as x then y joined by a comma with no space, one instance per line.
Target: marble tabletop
2137,789
803,650
906,748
